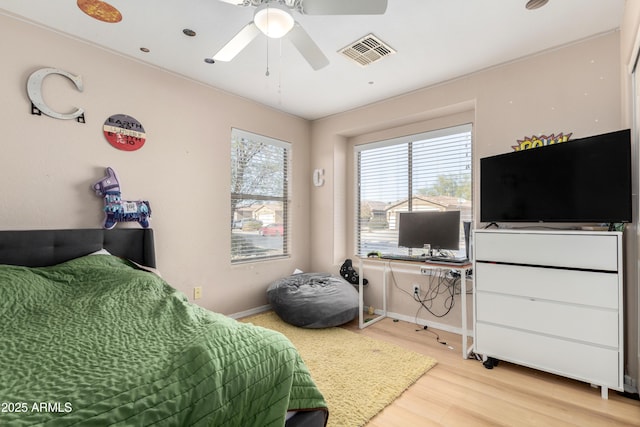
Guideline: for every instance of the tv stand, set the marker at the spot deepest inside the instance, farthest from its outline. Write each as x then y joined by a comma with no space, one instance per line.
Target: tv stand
551,300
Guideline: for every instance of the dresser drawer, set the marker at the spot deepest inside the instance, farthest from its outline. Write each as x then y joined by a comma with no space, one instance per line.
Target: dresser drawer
596,251
580,361
573,322
572,286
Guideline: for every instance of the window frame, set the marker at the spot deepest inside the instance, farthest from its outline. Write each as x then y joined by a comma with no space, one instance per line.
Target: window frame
465,128
284,198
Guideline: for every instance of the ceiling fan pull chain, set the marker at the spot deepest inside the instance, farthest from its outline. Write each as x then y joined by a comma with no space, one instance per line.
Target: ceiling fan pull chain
280,74
267,72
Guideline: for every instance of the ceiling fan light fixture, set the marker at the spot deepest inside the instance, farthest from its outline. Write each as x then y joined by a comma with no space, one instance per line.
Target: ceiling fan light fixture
274,20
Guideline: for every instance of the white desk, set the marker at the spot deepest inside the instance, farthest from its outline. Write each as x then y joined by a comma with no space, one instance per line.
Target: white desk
461,268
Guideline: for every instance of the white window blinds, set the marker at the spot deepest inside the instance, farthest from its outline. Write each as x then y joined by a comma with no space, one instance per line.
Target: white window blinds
428,171
259,196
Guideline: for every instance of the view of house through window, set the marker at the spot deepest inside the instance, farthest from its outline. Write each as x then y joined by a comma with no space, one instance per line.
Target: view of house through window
259,196
425,172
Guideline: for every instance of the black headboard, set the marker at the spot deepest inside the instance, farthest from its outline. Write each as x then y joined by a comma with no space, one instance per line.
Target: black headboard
38,248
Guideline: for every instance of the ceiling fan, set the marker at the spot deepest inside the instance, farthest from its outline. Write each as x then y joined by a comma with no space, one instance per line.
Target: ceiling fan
274,18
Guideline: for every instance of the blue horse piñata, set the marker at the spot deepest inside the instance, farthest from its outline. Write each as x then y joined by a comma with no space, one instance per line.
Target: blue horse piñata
118,210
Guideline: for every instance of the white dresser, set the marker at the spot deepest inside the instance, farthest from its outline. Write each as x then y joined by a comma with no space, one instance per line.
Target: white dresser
551,300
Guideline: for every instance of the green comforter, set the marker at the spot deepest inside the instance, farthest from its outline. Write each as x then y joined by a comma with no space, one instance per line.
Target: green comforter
95,341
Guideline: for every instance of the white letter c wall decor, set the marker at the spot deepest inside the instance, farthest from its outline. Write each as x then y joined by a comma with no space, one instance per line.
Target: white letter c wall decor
318,177
34,90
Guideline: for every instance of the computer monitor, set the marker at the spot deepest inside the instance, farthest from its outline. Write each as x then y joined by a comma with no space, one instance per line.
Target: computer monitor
438,229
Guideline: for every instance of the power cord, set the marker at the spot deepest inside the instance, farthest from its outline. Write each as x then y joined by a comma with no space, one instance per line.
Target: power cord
426,328
438,285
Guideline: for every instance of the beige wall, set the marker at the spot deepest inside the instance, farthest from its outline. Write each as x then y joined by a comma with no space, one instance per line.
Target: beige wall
574,89
183,169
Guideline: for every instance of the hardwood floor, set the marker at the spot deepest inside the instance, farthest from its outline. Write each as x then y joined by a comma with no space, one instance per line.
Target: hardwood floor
459,392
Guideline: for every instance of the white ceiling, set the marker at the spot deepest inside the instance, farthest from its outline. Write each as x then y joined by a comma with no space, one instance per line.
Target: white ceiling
435,40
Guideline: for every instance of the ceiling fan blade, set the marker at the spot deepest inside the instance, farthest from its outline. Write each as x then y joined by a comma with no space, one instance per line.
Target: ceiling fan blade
236,2
237,43
307,47
344,7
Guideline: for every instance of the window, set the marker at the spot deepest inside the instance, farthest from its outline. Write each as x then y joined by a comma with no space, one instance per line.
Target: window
259,196
428,171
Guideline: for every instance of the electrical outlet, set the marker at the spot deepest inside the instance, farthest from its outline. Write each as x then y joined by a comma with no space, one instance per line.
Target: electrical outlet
416,289
197,292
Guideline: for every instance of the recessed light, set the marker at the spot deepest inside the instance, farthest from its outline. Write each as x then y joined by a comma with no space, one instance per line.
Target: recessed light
189,32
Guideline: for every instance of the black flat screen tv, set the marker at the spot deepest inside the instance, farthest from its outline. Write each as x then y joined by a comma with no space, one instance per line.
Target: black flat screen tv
585,180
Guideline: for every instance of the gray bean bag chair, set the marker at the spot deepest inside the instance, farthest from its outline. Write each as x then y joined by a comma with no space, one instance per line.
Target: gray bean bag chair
313,300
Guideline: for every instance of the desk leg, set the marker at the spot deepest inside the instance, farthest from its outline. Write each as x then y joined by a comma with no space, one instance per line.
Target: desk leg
361,323
466,348
384,291
463,299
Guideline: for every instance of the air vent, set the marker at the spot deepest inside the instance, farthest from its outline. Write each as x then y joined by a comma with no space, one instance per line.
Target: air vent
367,50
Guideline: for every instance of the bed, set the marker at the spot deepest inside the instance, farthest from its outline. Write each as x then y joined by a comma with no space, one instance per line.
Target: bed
99,340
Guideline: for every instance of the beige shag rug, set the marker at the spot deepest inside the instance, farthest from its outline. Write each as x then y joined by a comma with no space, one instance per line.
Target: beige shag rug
358,376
